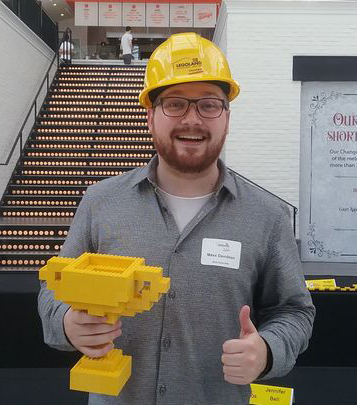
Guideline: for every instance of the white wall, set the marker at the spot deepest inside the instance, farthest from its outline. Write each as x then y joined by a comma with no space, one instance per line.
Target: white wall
24,61
262,38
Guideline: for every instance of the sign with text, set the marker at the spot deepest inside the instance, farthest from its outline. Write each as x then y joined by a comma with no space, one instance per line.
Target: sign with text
268,394
134,14
181,15
110,14
328,185
86,14
157,15
204,15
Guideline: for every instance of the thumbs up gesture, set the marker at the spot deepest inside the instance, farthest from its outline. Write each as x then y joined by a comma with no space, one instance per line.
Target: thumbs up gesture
244,359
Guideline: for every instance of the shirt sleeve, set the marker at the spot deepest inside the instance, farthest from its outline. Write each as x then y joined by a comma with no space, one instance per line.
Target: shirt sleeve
50,310
284,312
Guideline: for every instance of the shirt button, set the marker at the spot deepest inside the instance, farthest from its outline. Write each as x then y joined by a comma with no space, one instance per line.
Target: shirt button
172,294
166,342
162,390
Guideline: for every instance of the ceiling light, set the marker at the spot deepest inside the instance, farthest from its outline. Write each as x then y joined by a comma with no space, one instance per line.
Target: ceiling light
54,4
62,15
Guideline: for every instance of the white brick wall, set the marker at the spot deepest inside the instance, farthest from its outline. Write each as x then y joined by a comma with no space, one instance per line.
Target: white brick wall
262,38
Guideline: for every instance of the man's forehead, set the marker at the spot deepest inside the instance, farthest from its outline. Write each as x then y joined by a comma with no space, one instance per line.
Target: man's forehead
207,89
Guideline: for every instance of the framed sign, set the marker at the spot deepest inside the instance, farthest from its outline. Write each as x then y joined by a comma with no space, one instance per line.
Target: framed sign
328,181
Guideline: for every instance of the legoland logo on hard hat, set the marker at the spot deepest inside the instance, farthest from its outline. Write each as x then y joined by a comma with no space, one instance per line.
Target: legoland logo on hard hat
195,62
188,66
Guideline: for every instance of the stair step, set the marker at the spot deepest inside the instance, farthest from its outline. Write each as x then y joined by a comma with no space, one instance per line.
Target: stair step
46,190
87,147
44,199
41,212
112,136
63,181
99,169
25,259
91,160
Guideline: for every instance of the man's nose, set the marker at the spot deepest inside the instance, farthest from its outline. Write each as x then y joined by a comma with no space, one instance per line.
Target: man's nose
192,115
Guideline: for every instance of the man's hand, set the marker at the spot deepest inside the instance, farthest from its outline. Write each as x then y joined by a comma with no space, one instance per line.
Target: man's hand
91,335
244,359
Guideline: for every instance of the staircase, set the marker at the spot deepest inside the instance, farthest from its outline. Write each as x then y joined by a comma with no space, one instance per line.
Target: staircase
90,127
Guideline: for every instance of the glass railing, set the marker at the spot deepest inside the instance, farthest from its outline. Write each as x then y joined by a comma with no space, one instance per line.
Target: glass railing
100,52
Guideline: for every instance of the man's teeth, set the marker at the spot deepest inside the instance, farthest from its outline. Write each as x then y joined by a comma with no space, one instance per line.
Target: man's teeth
194,138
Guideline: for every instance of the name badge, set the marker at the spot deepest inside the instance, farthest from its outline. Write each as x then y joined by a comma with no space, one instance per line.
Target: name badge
221,252
267,394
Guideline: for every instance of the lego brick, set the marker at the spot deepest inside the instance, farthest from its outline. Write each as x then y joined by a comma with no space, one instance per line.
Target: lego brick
106,375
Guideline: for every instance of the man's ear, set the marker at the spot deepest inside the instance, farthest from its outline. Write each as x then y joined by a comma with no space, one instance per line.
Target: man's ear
150,118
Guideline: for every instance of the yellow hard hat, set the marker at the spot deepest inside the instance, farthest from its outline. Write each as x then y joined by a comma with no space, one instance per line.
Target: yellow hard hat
183,58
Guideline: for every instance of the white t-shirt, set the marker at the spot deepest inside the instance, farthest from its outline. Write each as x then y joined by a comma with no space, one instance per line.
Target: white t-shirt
184,208
126,41
65,50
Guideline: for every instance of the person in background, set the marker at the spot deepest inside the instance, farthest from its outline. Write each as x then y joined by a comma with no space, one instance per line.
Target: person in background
126,45
238,309
65,49
103,50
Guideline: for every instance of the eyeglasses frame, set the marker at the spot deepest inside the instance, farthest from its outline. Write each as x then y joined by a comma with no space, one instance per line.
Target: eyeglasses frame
225,105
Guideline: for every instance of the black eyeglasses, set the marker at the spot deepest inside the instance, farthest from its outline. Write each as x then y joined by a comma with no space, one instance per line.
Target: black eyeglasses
178,106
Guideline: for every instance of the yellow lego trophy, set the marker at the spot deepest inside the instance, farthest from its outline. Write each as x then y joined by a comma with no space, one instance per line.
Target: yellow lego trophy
104,285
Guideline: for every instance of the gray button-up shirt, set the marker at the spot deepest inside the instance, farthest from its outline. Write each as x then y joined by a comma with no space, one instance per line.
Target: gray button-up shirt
177,345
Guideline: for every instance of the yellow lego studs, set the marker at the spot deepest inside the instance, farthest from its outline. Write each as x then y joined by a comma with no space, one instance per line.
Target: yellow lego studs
105,375
104,285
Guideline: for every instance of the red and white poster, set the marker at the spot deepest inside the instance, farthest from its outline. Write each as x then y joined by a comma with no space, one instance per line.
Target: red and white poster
134,14
181,15
86,13
205,15
157,15
110,14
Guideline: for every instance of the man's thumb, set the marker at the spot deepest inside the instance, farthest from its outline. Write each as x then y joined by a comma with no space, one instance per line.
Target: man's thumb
246,325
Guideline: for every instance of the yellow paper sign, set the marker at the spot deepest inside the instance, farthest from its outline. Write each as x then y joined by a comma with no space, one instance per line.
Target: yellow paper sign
268,394
323,283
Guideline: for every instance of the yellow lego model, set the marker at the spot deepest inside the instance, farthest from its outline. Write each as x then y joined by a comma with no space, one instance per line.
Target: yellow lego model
104,285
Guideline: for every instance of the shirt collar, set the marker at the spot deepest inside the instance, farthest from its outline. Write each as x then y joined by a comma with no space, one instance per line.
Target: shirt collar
148,172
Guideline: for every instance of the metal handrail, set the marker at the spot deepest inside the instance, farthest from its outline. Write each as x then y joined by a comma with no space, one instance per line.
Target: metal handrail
33,104
295,209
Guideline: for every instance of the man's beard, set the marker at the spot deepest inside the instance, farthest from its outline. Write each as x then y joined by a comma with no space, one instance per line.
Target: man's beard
190,161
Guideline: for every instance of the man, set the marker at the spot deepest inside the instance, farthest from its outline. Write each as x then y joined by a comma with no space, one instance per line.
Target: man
126,45
237,309
65,49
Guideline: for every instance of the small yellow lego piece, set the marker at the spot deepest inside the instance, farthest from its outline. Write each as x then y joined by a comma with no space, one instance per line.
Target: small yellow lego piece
105,375
104,285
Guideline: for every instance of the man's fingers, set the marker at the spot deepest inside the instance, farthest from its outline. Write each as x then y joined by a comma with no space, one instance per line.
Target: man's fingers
82,317
99,339
231,359
234,346
96,351
236,380
96,329
234,371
